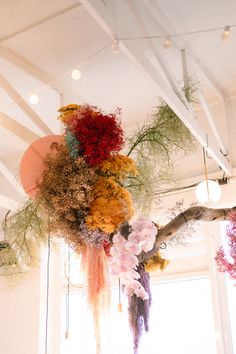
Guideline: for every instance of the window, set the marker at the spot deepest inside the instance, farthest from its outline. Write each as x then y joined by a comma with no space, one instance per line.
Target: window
231,291
181,322
189,311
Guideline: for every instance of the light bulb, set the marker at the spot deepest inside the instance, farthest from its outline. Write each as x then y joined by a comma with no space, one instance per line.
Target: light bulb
202,193
76,74
33,98
167,44
115,46
226,34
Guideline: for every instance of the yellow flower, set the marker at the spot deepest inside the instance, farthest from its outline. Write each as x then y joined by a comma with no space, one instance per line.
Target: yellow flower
67,111
156,262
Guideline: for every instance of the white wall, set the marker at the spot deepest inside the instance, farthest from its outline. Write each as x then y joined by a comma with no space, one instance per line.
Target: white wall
19,309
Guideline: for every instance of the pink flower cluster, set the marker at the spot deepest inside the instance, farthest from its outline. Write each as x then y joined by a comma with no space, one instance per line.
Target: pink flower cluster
226,258
124,254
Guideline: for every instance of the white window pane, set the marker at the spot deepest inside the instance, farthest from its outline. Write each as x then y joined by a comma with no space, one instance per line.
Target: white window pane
231,289
181,319
181,322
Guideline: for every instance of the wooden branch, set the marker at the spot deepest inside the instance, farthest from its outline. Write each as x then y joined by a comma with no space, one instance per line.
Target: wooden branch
197,213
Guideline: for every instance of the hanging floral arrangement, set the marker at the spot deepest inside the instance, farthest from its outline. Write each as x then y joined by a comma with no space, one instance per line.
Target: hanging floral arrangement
77,185
82,189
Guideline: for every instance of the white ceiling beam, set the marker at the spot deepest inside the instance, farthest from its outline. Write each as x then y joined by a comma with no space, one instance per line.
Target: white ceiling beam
25,65
35,71
167,72
185,68
135,51
6,172
182,112
23,105
39,22
168,28
206,108
211,121
8,203
6,138
32,69
162,64
23,135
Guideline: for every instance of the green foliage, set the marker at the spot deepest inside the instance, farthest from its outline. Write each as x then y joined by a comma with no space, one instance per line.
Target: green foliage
24,232
156,146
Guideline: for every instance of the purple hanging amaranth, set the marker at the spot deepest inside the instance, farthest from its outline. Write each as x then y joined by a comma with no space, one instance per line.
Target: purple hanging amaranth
139,309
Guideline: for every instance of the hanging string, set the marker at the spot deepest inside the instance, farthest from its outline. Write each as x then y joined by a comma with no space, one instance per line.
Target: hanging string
68,296
205,172
120,303
47,296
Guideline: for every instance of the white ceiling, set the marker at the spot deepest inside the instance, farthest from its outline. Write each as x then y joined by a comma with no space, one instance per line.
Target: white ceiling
41,41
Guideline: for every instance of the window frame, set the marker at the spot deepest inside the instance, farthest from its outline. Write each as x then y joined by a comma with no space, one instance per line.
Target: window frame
217,280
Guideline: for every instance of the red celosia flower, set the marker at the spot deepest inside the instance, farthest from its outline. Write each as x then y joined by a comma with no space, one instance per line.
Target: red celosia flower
99,134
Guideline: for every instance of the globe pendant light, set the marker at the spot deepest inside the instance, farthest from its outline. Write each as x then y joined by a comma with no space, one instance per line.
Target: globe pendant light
208,191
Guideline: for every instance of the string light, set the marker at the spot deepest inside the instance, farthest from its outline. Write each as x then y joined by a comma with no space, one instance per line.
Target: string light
76,74
167,44
180,34
53,81
226,34
115,46
208,191
33,98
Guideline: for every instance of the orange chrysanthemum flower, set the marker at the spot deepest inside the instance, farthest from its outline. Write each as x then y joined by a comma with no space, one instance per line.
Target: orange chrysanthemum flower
112,206
120,166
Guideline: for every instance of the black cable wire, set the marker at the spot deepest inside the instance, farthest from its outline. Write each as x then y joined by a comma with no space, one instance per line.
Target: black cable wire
47,296
119,293
68,296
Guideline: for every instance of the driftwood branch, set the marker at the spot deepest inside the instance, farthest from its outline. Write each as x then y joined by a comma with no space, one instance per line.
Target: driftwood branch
196,213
